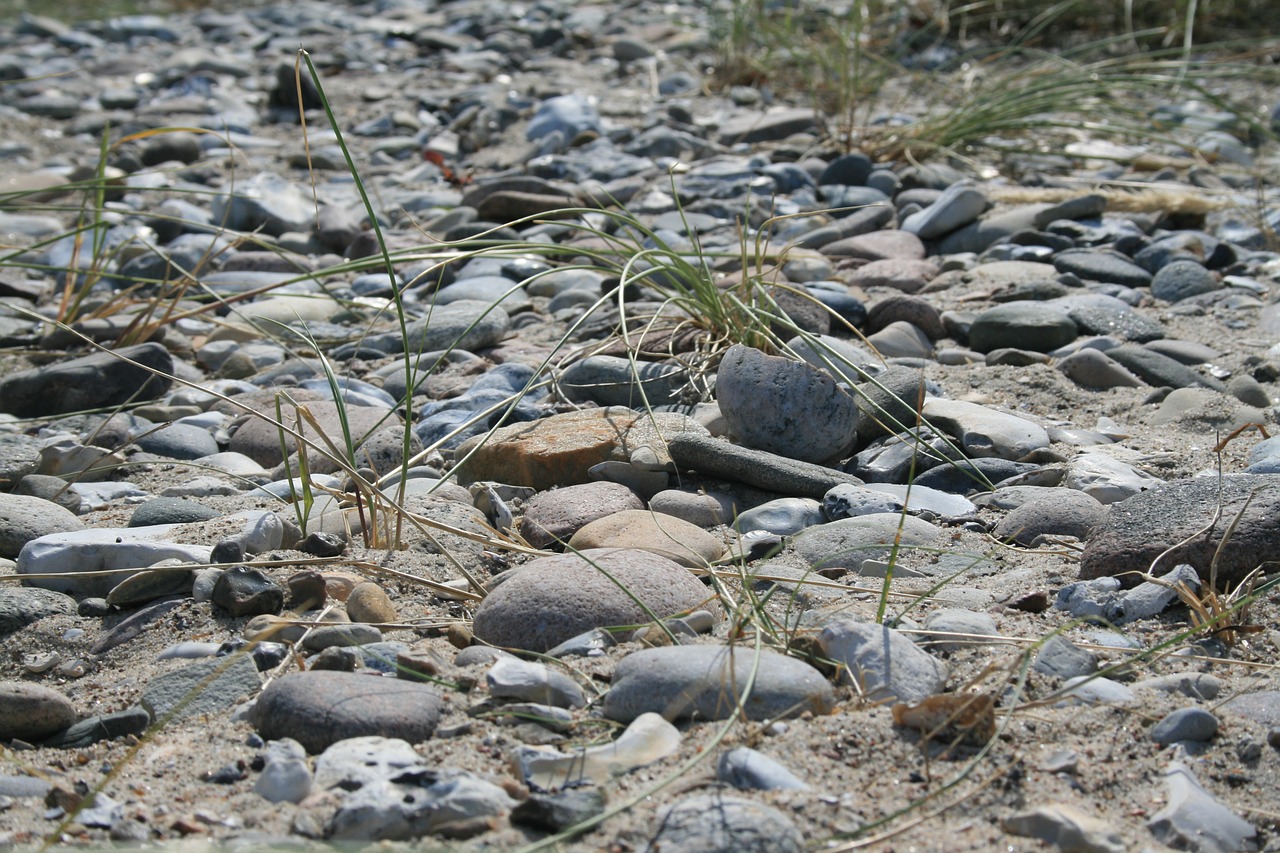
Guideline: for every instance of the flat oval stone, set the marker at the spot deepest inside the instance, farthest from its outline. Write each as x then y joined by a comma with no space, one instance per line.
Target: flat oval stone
557,514
1025,325
553,599
318,709
23,519
31,711
643,530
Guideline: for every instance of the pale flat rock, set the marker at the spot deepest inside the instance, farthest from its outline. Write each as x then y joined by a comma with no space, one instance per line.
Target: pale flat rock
645,530
985,432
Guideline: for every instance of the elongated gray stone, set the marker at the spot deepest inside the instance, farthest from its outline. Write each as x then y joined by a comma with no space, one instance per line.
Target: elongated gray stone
714,457
707,682
98,381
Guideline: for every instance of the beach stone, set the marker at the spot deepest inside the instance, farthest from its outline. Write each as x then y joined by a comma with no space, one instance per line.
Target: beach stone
697,681
1158,370
170,511
121,551
850,542
959,204
746,769
552,599
244,591
1067,828
984,432
467,324
1093,265
877,246
862,220
901,339
31,712
1199,409
368,602
1194,820
882,663
783,516
643,530
204,688
91,730
1060,658
260,439
785,407
612,381
526,681
737,826
1100,314
1172,514
21,606
1182,279
1057,512
560,450
1106,478
558,811
553,516
265,202
777,123
23,519
285,777
848,501
412,805
901,307
1196,685
318,709
717,458
102,380
1262,706
1025,325
701,508
178,441
1185,724
1091,368
907,275
956,620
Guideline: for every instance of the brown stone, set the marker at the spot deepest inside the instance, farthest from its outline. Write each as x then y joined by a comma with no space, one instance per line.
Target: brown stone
554,516
644,530
369,603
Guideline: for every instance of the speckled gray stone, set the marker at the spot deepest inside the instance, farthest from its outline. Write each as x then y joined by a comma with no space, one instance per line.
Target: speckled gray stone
318,709
785,407
552,599
25,518
884,663
1173,515
717,823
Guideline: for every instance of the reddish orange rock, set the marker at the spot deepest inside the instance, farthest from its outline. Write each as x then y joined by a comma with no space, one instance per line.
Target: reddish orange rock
558,451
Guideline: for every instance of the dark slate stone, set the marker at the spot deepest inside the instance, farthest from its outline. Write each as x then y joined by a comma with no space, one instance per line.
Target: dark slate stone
98,381
1160,370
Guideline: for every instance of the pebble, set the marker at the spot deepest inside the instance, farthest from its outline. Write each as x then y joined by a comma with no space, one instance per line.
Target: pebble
851,542
21,606
717,458
512,678
882,663
783,516
746,769
368,602
983,432
1185,724
785,407
120,552
1158,521
319,709
1027,325
1060,658
682,682
552,599
1066,827
205,688
642,530
31,711
23,519
243,591
1192,819
554,516
1058,512
740,824
285,778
